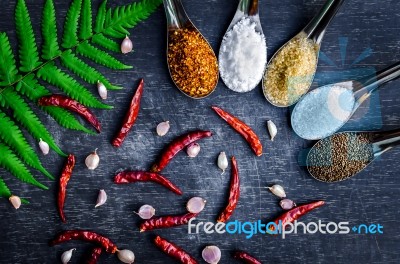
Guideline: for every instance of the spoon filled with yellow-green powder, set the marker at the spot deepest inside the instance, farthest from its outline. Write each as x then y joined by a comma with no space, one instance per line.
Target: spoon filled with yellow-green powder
291,70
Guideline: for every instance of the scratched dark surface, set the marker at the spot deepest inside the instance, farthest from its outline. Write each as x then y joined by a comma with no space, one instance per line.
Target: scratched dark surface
371,197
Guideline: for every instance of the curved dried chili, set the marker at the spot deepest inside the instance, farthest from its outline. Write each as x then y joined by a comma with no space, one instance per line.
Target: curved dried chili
94,255
166,221
245,257
174,251
64,178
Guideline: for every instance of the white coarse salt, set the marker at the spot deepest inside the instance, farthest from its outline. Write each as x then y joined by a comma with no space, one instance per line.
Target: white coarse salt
242,56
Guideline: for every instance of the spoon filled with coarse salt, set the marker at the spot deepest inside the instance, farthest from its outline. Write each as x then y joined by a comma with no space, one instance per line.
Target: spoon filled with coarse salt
291,69
343,155
243,52
191,61
324,110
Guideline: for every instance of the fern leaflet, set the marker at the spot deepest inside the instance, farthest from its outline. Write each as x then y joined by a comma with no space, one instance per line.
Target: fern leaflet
70,37
8,70
4,191
50,47
86,30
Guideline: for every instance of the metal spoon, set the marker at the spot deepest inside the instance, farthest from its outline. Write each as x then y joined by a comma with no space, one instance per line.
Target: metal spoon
379,143
178,19
246,9
317,110
314,31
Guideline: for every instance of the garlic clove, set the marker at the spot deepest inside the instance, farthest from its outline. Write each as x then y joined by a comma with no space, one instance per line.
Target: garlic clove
44,147
272,129
15,201
277,190
287,204
126,256
195,205
222,162
101,88
211,254
163,128
92,161
101,198
67,255
146,211
126,45
193,150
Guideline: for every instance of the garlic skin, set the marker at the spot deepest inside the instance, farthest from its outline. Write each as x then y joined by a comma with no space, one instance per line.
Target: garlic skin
195,205
146,212
211,254
44,147
163,128
126,256
101,199
287,204
126,45
272,129
92,161
193,150
222,162
67,255
101,88
15,201
277,190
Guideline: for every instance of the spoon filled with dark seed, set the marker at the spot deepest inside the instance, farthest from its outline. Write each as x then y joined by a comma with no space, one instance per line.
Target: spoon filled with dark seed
343,155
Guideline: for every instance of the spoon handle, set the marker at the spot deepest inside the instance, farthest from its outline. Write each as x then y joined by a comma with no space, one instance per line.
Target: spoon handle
386,140
176,15
372,83
315,30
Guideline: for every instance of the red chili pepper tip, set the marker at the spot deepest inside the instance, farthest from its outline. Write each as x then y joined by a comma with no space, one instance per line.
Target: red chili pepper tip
246,258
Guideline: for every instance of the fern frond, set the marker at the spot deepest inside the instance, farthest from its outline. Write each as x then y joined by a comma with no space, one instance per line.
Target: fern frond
24,115
101,16
10,162
86,72
51,74
50,47
4,191
128,16
70,37
28,53
30,87
107,43
13,137
8,69
101,57
85,27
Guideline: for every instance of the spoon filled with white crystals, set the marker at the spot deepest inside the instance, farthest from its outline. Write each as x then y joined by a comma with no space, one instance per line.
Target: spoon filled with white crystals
324,110
343,155
291,69
243,51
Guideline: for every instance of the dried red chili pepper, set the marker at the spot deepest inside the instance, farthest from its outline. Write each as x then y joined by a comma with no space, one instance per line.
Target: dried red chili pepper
64,178
245,257
174,251
177,145
94,256
295,213
144,176
72,105
242,128
87,236
234,193
166,221
130,116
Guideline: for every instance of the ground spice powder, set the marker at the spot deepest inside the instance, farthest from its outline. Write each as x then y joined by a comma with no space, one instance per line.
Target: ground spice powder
340,156
192,62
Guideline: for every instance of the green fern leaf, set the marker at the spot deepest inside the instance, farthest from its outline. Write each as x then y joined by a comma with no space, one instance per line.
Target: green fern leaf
10,162
51,74
128,16
8,70
70,37
101,16
4,191
87,73
107,43
100,57
86,20
28,53
33,90
13,137
23,114
50,48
